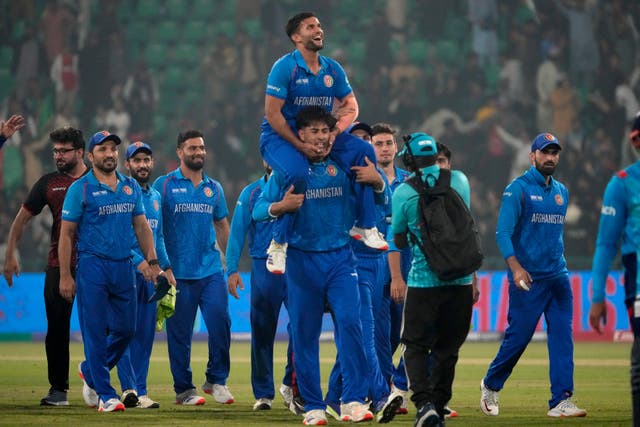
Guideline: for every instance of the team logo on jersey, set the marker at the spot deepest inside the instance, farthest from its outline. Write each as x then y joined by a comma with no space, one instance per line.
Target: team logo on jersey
156,205
328,81
208,192
127,190
559,200
332,170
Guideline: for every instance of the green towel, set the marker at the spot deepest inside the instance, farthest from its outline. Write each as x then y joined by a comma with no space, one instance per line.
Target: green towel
166,308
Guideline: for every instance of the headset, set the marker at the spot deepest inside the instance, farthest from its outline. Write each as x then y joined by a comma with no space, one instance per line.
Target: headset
408,158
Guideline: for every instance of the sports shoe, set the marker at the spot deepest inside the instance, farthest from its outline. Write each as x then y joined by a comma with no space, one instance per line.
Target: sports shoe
129,398
370,237
111,405
220,392
333,409
287,394
144,402
291,401
450,413
55,398
277,257
427,416
262,404
189,398
566,408
488,400
402,410
88,394
315,417
355,412
388,411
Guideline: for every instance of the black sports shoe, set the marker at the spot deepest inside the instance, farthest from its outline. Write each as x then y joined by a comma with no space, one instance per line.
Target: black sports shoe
55,398
427,416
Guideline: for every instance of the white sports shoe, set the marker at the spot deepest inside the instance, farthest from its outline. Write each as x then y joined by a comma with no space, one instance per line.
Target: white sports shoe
315,417
355,412
403,409
370,237
488,400
277,257
566,408
88,394
287,394
111,405
390,408
190,398
262,404
221,394
129,398
144,402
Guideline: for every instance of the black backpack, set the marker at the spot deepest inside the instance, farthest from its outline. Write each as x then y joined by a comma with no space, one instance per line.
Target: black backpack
449,235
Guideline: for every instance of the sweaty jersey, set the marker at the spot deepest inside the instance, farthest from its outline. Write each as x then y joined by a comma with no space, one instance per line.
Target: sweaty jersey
50,190
188,214
152,207
327,214
404,219
531,222
243,227
292,81
619,217
104,216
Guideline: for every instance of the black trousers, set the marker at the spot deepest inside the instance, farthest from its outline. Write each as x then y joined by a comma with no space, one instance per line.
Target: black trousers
436,322
58,325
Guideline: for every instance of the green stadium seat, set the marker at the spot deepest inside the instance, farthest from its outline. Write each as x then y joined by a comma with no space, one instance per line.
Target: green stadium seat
228,28
417,50
195,31
203,9
173,79
187,54
253,28
356,52
156,55
138,32
448,52
160,124
167,31
6,83
6,56
176,9
148,10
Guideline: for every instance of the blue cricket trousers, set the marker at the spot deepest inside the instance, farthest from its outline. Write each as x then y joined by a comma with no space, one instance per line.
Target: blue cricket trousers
268,293
313,278
553,298
133,367
106,295
211,296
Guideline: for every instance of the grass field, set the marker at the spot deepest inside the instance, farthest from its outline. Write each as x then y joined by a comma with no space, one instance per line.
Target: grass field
601,384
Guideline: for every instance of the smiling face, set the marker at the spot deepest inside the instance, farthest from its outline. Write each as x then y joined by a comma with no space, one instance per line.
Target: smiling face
318,135
309,34
140,166
192,153
104,157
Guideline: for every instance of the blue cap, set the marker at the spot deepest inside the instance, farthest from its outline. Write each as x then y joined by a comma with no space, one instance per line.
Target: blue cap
102,136
544,140
135,147
421,145
359,125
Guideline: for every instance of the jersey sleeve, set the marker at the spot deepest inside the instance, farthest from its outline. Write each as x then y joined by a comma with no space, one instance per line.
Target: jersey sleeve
278,79
613,216
72,207
220,211
399,218
37,198
341,81
510,210
161,249
270,193
138,209
239,225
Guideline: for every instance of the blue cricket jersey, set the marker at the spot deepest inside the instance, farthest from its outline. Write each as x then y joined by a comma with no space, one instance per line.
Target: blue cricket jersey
405,219
152,208
619,217
242,226
328,190
188,214
531,222
104,216
292,81
401,176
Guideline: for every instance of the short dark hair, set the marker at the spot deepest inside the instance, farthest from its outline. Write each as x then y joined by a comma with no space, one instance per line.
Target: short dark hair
444,150
382,128
183,136
294,22
313,114
68,134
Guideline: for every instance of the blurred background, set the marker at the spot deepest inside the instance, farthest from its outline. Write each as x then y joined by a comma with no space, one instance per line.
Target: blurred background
482,76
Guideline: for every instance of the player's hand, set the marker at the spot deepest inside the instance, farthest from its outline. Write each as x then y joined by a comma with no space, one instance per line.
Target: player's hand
145,269
474,286
13,124
11,267
234,282
168,273
521,275
155,272
291,201
368,174
597,313
67,288
397,290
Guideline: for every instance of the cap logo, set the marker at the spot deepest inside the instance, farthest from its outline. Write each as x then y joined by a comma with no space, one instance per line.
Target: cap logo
328,81
104,133
548,137
331,170
138,144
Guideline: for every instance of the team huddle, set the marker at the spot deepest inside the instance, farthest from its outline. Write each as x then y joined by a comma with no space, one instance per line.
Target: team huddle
332,226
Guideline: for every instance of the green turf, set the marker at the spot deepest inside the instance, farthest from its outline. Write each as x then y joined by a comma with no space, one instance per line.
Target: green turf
601,384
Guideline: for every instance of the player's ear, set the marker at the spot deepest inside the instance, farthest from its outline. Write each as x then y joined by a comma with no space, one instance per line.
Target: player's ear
300,135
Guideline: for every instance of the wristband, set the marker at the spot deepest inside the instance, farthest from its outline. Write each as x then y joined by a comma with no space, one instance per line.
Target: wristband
153,261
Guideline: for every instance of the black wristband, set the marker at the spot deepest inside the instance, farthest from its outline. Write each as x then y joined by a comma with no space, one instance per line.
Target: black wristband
153,261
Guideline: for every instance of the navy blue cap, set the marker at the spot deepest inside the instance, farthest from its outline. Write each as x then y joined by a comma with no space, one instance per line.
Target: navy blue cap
135,147
544,140
102,136
421,145
360,125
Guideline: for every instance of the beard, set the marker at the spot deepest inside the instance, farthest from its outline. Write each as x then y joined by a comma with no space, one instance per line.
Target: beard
104,168
546,169
312,46
66,167
141,179
194,164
